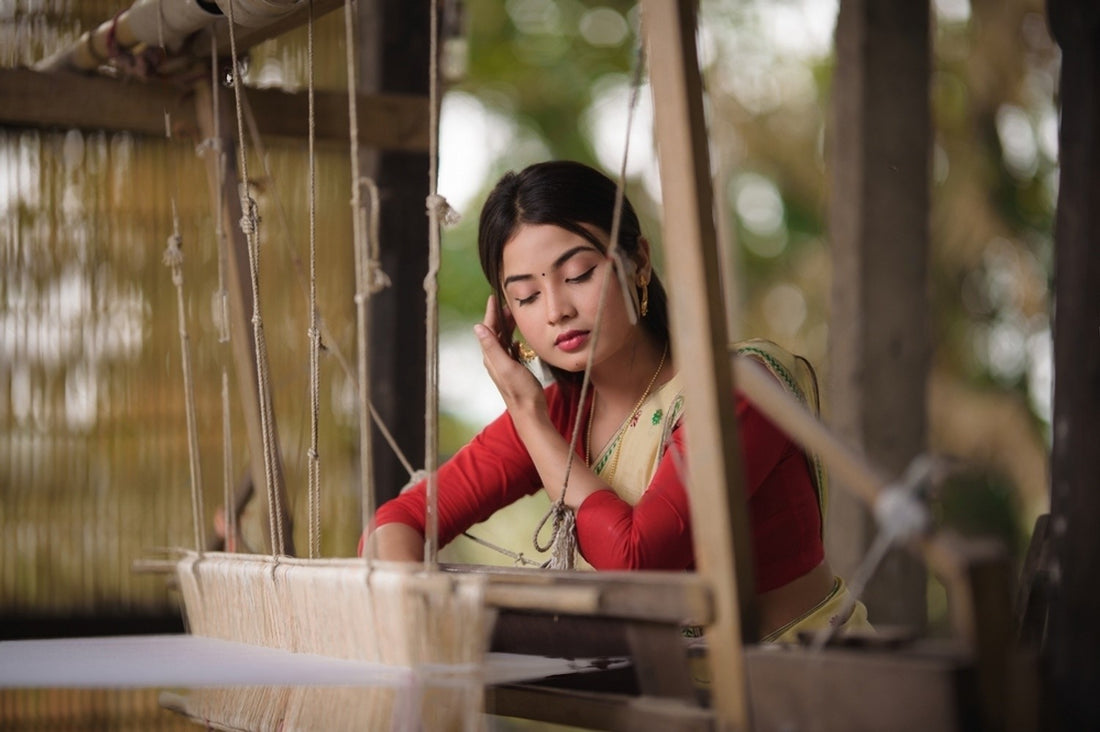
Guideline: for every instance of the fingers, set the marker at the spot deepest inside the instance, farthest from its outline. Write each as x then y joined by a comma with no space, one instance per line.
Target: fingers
501,329
490,319
491,349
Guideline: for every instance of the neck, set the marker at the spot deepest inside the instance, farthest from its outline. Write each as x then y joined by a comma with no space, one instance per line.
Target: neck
620,382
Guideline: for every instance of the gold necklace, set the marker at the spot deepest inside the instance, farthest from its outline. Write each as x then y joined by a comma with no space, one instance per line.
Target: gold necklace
627,423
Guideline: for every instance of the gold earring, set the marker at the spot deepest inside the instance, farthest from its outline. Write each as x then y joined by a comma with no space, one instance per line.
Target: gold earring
643,282
524,352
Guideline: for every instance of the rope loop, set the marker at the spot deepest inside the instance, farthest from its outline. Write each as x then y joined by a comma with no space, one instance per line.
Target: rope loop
415,477
250,218
377,279
173,253
563,536
438,206
173,258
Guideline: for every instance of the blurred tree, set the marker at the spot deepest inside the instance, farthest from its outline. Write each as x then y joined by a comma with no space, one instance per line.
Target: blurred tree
768,69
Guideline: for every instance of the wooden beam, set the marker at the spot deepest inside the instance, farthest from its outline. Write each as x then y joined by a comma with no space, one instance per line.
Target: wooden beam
718,508
1073,635
862,691
879,339
592,710
248,37
394,49
668,597
37,99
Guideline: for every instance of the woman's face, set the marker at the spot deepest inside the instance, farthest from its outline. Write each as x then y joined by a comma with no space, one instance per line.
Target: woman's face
551,278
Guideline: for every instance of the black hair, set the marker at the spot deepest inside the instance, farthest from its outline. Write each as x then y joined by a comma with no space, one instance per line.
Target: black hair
572,196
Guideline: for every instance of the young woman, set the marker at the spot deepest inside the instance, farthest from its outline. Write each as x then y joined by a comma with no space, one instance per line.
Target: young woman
543,240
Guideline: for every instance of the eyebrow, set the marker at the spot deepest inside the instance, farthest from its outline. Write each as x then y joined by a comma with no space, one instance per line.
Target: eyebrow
557,263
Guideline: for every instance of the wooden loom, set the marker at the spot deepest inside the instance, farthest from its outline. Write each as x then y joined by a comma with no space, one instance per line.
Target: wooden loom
640,614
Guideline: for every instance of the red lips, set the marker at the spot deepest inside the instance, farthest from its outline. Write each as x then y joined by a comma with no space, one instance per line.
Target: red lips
571,340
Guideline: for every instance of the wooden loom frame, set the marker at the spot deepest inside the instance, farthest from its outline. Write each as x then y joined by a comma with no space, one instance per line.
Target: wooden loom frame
754,687
640,613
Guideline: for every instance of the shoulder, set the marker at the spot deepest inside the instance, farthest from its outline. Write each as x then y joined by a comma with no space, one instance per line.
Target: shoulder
794,373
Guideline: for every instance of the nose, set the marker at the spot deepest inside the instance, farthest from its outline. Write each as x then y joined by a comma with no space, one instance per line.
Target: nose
559,307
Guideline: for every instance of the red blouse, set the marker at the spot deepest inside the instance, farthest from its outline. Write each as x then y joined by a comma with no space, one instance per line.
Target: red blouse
494,470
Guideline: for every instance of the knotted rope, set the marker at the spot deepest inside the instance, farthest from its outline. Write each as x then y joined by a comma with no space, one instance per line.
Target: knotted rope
314,457
173,259
362,280
563,536
439,211
250,222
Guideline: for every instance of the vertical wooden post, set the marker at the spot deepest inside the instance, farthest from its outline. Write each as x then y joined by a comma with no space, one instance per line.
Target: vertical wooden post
1071,661
393,57
240,314
718,511
879,332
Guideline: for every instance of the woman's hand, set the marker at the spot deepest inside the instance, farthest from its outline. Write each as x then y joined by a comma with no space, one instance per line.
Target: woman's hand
517,385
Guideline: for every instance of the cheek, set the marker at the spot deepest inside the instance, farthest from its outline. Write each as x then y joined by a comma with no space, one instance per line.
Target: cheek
526,322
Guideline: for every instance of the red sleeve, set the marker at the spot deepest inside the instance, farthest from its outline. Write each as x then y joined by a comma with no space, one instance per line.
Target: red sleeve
656,532
490,472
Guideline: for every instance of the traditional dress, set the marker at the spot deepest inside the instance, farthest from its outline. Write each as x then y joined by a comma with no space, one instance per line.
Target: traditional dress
645,521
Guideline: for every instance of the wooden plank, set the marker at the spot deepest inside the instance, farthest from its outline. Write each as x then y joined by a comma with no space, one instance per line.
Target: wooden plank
44,100
1071,662
659,653
718,513
861,691
589,710
670,597
559,635
979,587
879,338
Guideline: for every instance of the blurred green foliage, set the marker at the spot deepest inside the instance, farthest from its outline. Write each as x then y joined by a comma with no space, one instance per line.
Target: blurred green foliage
994,171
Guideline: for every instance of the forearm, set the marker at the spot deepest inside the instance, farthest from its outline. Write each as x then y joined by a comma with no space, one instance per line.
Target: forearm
396,542
549,452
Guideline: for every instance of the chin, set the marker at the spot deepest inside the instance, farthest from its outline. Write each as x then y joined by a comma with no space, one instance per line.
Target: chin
575,365
572,363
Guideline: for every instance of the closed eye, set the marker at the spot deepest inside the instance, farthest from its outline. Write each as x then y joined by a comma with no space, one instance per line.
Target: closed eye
582,277
527,300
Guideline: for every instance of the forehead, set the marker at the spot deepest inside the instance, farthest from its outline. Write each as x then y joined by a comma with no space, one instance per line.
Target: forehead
534,248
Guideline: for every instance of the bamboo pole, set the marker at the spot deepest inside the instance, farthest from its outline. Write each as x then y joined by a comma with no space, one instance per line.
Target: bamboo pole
718,507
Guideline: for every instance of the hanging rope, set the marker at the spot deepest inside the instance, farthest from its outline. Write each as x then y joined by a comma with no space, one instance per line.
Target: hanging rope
376,279
229,505
250,223
562,543
219,183
376,276
439,211
314,329
173,259
362,281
